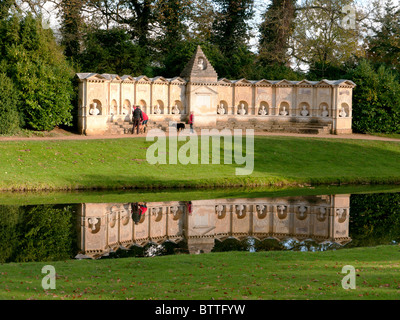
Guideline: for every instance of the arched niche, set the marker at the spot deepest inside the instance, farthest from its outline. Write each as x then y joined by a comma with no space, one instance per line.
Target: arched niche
284,109
143,105
243,108
222,107
323,110
344,110
95,108
114,107
304,110
263,108
159,107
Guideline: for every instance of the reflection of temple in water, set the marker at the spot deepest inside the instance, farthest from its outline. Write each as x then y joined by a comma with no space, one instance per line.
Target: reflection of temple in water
108,226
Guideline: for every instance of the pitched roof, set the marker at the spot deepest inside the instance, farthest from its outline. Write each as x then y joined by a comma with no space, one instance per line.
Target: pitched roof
144,78
85,75
199,67
177,80
110,76
127,77
159,78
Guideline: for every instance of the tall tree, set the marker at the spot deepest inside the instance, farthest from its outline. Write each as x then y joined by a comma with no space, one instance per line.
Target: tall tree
71,26
321,42
30,56
170,16
200,22
171,32
276,31
384,44
230,28
111,51
5,6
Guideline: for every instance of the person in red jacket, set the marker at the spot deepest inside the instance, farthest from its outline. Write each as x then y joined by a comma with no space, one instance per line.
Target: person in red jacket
142,208
138,209
144,121
191,121
189,207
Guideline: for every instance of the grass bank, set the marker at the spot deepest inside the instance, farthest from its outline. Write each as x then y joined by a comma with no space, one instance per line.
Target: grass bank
121,163
124,196
229,275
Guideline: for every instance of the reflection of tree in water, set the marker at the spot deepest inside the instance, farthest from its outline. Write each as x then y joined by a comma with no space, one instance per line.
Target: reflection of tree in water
37,233
374,219
9,220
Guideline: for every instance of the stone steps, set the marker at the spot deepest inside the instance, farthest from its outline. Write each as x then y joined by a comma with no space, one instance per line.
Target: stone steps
125,127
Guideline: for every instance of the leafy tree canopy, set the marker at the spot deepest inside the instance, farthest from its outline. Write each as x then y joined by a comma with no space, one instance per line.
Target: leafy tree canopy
42,77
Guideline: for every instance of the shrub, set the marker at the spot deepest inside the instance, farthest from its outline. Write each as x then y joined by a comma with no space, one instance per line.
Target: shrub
9,117
41,75
376,99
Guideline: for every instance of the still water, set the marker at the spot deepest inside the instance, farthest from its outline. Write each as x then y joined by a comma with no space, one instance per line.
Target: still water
101,230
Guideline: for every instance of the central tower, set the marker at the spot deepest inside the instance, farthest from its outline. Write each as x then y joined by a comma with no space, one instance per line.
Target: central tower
201,89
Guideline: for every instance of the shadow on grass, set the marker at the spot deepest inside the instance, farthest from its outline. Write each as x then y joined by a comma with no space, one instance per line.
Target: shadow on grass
328,160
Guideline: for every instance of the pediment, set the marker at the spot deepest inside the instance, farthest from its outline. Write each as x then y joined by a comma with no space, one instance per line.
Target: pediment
304,83
94,76
224,81
242,81
83,76
284,83
159,79
204,90
324,83
127,78
345,83
263,82
115,77
143,79
177,80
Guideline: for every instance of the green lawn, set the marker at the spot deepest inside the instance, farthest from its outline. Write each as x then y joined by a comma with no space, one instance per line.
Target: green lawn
229,275
121,163
387,135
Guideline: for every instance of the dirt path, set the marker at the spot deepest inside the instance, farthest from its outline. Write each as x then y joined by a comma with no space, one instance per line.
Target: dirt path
59,134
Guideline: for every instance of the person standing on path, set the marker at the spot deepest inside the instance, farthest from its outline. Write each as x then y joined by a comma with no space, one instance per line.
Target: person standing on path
145,119
191,121
137,116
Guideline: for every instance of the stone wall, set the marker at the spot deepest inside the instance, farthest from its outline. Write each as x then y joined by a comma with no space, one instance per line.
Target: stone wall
105,99
258,104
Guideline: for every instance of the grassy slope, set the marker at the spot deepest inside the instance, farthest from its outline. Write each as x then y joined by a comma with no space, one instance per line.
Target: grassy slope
234,275
121,196
118,163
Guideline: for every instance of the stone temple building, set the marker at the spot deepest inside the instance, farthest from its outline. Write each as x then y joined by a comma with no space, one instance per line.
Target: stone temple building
106,101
